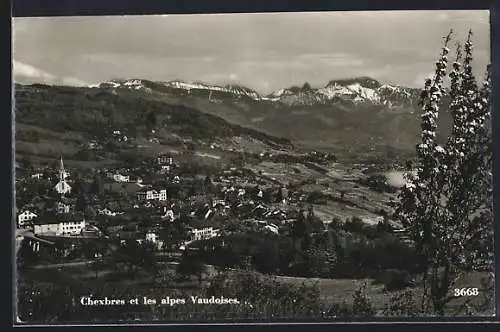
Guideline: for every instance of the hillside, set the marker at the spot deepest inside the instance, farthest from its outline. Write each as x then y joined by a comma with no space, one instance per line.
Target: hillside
58,120
351,116
357,118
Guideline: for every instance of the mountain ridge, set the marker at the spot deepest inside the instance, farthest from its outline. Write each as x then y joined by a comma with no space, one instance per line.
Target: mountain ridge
355,90
337,125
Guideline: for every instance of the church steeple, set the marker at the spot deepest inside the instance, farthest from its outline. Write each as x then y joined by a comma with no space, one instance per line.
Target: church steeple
61,171
62,186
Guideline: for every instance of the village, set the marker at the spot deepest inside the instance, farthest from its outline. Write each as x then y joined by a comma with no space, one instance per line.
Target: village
139,201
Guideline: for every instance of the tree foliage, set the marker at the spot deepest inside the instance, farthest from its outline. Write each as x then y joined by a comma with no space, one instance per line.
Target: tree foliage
447,205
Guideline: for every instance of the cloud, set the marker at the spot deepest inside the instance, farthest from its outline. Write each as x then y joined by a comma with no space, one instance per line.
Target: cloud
25,73
255,47
333,59
305,61
220,77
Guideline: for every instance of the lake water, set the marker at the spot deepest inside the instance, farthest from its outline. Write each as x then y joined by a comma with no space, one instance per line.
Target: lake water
396,178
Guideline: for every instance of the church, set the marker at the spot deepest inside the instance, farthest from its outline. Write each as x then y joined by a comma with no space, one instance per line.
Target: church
62,187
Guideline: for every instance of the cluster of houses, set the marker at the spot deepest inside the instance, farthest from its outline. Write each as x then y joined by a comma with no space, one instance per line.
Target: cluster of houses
235,192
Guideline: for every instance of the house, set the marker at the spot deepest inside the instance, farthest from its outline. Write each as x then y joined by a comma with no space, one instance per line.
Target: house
218,202
141,195
160,195
91,231
204,233
25,216
272,228
65,225
165,160
108,212
63,207
259,211
151,237
121,178
168,214
156,195
165,168
37,176
276,214
92,145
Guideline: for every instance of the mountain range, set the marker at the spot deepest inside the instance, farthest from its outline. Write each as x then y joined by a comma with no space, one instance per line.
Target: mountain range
358,114
350,117
348,91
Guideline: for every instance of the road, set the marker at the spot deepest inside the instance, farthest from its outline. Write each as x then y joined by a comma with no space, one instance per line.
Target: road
58,265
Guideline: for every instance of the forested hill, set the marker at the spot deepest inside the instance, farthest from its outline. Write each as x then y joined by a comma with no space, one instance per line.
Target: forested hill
94,113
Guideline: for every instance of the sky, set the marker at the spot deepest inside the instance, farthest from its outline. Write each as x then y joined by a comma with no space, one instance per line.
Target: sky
263,51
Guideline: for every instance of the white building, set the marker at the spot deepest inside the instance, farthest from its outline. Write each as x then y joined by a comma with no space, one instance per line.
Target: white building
60,228
108,212
272,228
121,178
24,217
168,214
153,195
37,176
62,208
165,160
204,233
151,237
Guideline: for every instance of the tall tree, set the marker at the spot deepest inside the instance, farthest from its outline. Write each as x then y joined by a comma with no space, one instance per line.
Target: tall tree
446,206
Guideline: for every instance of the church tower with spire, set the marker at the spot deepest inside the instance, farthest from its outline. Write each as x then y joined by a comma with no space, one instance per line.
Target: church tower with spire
62,187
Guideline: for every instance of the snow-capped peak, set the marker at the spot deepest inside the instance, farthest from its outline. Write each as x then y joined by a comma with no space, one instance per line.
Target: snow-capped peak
136,84
355,90
388,87
230,88
279,93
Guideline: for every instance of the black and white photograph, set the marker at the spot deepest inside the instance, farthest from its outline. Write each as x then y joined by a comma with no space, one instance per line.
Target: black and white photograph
248,167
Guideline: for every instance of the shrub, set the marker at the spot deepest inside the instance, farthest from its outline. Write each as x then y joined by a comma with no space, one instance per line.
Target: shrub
403,305
394,279
362,305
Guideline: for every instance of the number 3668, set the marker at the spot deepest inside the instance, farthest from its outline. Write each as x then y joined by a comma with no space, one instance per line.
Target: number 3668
466,291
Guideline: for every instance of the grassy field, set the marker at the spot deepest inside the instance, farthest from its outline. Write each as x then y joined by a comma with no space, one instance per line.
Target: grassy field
339,290
358,200
331,290
54,161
